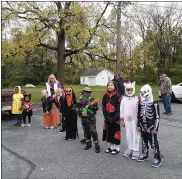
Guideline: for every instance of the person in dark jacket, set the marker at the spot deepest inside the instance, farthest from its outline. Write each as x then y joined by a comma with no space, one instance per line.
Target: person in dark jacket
120,84
111,111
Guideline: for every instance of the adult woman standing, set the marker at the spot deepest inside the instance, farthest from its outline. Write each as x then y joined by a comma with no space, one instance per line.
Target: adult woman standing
52,85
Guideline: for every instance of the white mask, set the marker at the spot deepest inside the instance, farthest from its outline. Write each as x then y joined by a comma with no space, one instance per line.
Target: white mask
130,88
146,94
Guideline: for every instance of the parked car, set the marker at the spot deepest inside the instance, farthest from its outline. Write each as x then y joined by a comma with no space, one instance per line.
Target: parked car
6,99
29,86
176,92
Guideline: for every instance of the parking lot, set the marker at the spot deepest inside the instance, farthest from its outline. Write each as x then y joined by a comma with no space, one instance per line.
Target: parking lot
37,153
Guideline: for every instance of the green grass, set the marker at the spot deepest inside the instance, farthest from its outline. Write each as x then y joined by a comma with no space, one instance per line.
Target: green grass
98,91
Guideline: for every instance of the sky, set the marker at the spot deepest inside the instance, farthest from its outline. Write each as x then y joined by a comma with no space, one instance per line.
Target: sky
123,18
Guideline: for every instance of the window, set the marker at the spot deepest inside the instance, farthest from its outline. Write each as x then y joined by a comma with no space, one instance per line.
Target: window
109,78
83,80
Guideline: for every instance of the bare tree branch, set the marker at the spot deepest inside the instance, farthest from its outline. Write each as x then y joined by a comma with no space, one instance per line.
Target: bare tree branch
69,52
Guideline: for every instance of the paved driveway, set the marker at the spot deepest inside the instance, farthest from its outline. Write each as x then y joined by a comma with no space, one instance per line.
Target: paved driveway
37,153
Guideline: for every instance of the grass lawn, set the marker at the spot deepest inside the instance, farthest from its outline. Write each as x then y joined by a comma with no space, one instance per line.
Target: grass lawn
98,91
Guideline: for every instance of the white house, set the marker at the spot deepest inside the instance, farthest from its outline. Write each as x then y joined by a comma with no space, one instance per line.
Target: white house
96,77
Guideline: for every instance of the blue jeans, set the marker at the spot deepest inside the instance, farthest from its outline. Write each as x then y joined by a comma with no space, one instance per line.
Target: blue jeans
166,99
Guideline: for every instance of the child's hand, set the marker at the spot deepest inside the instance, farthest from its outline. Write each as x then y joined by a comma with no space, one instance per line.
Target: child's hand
154,132
122,123
47,112
139,130
84,114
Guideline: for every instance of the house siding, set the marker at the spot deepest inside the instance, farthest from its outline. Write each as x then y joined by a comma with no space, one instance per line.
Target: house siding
101,79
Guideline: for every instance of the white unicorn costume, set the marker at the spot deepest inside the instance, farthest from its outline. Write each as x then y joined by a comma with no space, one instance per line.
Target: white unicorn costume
128,113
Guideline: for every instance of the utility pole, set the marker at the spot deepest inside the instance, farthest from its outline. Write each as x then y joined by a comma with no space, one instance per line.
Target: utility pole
118,52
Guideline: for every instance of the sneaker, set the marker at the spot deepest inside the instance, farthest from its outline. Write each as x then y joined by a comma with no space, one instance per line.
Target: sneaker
23,125
135,155
109,150
28,125
128,153
70,139
143,157
156,163
164,113
169,114
115,151
46,127
52,127
61,130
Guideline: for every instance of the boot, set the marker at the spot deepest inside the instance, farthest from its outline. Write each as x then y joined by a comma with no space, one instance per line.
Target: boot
97,148
83,141
88,146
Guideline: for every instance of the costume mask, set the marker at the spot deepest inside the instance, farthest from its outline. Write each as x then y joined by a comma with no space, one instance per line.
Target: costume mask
146,94
69,96
68,91
130,88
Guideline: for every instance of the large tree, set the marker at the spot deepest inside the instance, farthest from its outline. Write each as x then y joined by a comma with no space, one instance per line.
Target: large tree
53,22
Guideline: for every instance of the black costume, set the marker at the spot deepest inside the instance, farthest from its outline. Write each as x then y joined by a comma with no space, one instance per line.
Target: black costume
148,120
111,111
47,103
70,114
120,85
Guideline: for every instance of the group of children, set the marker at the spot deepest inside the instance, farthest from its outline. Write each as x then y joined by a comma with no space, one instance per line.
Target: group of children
21,107
138,115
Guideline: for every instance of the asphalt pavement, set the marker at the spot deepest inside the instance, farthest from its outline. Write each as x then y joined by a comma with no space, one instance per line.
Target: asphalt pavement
36,153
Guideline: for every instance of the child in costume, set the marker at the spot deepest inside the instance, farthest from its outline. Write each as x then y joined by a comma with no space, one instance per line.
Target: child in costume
128,116
111,111
83,141
148,125
27,110
17,105
69,112
51,114
58,100
87,111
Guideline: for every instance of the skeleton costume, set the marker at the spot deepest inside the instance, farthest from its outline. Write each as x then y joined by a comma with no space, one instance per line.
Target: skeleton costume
128,113
148,121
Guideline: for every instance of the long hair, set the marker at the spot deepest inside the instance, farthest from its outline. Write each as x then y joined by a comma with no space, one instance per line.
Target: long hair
51,76
115,85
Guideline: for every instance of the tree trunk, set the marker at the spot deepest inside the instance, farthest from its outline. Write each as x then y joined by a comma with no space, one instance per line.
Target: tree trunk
61,57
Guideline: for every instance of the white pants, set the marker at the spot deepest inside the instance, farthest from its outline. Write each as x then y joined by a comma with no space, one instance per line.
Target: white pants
132,135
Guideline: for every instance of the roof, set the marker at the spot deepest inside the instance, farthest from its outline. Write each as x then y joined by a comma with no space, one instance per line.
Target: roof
92,72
